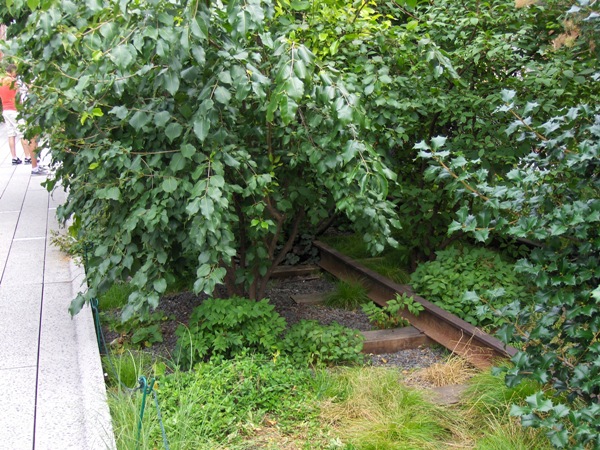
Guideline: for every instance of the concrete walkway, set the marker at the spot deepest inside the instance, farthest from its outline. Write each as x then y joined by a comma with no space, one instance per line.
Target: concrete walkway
52,394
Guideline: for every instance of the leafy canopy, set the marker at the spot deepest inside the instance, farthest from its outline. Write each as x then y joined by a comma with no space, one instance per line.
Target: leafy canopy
195,138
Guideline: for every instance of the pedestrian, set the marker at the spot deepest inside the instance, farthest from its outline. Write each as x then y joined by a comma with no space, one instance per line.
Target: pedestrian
8,95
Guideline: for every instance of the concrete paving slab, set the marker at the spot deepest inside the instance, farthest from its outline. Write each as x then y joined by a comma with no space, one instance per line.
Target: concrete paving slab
52,377
18,408
64,392
8,224
34,216
5,175
25,263
19,333
13,196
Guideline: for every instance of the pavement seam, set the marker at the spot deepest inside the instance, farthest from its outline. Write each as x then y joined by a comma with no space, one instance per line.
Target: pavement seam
37,372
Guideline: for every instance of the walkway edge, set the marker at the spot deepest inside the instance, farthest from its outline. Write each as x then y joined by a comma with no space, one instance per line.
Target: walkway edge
98,423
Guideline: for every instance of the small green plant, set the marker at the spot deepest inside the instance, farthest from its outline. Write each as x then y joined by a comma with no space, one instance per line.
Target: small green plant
127,367
115,297
347,295
141,331
471,283
147,336
308,342
388,316
226,328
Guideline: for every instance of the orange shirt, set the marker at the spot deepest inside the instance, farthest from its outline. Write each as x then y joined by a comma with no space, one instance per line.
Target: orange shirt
8,93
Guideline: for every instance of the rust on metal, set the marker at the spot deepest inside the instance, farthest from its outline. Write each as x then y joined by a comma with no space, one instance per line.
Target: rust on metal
455,334
378,342
295,271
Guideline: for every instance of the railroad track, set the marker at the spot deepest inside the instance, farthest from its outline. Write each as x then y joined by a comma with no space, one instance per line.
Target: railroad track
462,338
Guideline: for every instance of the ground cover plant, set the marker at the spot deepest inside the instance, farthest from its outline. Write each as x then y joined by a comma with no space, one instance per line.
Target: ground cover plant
472,283
278,401
388,316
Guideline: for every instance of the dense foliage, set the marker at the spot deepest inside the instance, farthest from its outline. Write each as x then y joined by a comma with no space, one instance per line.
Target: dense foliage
202,139
471,283
226,328
217,399
552,195
195,139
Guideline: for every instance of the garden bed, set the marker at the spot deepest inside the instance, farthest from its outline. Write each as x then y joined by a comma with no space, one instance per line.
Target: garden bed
176,309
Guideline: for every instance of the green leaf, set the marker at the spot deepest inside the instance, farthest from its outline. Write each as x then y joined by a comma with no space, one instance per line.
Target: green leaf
169,185
171,82
122,56
438,142
201,128
222,95
139,120
188,150
294,87
160,285
161,118
119,111
112,193
173,131
288,108
300,5
217,181
199,28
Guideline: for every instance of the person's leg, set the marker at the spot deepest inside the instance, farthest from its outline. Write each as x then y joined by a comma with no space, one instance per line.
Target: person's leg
32,147
10,119
29,155
12,147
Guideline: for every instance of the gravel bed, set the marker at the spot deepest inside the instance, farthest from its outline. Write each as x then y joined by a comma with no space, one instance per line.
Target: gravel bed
178,307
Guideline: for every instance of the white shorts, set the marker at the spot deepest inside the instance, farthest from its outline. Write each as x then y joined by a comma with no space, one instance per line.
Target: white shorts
14,127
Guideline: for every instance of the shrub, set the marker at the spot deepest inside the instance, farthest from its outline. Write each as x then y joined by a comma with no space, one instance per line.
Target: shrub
228,327
471,283
308,342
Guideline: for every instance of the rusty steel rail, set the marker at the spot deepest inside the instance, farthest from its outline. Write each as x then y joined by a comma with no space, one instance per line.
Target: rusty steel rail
462,338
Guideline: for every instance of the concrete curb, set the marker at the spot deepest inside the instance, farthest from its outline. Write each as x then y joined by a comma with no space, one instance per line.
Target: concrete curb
97,420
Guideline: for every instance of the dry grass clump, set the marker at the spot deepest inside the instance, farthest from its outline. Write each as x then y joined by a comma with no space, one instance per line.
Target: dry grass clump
375,410
454,370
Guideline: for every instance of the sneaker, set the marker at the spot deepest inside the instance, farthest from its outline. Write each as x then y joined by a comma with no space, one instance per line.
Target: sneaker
16,161
27,161
38,171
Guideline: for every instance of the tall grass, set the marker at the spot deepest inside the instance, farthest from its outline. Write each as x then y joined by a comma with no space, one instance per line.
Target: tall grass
486,406
116,297
372,410
347,295
242,403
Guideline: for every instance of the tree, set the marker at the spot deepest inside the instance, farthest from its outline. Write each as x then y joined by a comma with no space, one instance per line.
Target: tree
195,138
